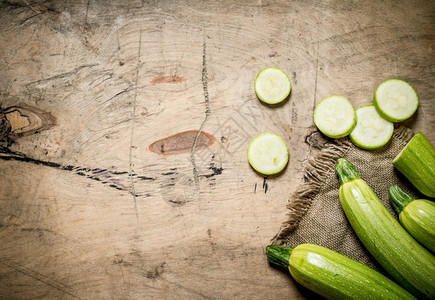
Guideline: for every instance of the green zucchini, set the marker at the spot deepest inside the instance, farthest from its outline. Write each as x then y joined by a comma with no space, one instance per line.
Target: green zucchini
333,275
397,252
417,216
417,162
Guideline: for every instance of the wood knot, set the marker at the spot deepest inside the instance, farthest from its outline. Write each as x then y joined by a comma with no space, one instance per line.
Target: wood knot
5,126
24,120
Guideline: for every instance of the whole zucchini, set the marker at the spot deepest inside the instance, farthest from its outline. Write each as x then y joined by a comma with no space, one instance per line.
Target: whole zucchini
397,252
417,216
417,162
333,275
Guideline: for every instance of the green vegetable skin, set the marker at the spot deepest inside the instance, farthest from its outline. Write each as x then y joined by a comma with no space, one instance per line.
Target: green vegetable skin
334,275
417,216
402,257
417,162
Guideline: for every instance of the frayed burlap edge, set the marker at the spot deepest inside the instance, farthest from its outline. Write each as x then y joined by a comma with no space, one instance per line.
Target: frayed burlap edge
316,172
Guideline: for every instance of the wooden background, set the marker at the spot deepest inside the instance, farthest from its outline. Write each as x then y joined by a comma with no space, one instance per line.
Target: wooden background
107,189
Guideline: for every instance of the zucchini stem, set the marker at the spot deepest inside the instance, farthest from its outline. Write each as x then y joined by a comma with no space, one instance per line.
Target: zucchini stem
346,171
399,198
279,255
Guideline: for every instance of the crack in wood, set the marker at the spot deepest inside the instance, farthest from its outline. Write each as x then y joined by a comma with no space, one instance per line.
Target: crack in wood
104,176
62,75
127,89
317,73
40,277
316,140
30,18
265,184
86,14
31,7
207,114
23,120
133,113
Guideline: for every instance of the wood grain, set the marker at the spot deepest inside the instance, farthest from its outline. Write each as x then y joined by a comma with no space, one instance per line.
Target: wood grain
88,210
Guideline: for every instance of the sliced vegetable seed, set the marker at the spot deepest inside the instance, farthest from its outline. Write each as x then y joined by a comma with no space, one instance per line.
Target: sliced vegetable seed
335,116
272,85
395,100
371,131
268,153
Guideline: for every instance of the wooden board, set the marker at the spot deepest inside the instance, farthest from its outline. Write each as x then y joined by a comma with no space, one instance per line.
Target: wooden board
107,187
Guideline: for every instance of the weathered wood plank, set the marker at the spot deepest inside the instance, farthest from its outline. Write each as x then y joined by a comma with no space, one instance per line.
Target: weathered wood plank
89,210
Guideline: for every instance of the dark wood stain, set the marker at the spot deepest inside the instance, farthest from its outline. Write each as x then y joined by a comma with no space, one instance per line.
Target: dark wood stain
144,178
215,171
265,185
168,79
156,272
182,142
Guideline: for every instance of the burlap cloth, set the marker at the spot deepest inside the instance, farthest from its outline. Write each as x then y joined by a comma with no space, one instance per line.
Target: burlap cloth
314,211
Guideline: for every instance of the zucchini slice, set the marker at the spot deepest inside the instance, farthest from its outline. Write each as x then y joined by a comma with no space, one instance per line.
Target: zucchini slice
371,130
335,116
417,216
333,275
272,85
268,153
417,162
395,100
